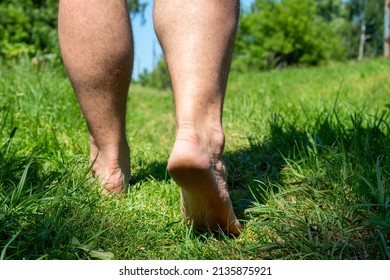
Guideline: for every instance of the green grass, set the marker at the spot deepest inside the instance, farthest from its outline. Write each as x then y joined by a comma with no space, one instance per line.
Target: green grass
307,152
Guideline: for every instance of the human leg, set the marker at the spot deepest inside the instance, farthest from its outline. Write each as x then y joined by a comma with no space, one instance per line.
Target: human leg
97,49
197,39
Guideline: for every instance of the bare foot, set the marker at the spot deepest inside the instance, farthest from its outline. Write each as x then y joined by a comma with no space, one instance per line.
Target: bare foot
111,167
195,164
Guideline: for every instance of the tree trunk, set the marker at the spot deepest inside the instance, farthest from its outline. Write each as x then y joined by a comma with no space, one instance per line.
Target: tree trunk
386,45
362,40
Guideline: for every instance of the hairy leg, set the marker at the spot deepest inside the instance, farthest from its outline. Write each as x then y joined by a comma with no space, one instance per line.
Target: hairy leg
197,39
96,45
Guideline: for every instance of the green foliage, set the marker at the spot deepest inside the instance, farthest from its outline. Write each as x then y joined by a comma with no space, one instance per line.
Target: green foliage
136,7
371,14
309,32
158,78
287,32
330,10
29,27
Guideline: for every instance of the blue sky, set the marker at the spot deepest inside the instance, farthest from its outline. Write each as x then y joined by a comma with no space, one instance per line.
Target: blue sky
147,48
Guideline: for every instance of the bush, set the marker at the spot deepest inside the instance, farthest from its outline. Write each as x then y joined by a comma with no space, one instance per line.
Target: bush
158,78
29,27
286,32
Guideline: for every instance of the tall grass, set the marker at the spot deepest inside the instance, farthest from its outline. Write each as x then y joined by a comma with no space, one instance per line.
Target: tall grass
307,153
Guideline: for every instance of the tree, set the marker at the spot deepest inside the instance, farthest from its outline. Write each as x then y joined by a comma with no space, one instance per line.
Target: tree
27,27
366,35
136,7
331,10
158,78
286,32
386,32
30,26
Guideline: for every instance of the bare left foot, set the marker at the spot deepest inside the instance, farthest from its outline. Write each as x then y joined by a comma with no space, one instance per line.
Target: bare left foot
112,167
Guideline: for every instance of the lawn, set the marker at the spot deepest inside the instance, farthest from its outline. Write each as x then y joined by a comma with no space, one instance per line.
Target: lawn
307,150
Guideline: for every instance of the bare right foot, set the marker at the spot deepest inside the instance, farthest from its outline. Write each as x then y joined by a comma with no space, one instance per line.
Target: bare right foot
195,164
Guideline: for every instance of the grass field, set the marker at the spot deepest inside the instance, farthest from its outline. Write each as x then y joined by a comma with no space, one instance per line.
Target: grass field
307,152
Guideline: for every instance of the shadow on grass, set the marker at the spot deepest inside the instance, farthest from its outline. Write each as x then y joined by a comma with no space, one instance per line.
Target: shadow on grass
363,140
255,171
156,170
358,142
349,156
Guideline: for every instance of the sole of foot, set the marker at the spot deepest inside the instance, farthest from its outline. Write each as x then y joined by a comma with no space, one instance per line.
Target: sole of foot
205,199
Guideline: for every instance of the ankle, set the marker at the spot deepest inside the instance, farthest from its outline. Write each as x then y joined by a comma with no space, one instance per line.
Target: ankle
195,149
207,136
111,165
110,152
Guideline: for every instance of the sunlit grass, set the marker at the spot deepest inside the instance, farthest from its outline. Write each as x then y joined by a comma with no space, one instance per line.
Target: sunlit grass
307,153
